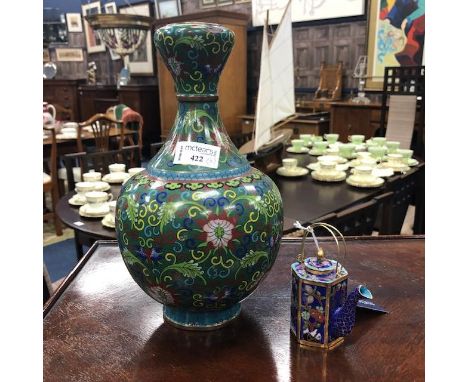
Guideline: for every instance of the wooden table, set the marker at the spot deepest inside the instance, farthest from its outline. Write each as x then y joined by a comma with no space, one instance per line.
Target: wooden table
87,135
87,230
306,199
100,326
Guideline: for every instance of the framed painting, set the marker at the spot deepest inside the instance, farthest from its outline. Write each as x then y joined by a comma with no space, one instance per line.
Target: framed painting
167,8
93,42
74,22
69,55
396,37
141,62
45,55
111,8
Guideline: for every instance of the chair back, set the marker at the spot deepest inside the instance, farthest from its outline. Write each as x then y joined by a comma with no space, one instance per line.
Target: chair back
100,161
331,79
100,127
404,189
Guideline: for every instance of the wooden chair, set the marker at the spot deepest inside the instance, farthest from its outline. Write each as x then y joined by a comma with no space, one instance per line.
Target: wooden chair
404,189
330,85
50,182
154,148
63,113
100,127
130,120
100,161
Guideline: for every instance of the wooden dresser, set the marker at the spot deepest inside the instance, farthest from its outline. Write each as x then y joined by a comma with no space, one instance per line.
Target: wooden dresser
63,93
232,87
347,118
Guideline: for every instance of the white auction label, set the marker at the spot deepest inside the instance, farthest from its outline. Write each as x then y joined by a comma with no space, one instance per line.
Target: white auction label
198,154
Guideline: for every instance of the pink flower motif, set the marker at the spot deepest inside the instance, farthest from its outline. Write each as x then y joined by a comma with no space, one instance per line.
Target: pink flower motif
219,232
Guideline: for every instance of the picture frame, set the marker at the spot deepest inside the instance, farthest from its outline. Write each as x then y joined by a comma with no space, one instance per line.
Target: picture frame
93,42
69,55
207,3
167,8
111,8
141,62
401,45
74,23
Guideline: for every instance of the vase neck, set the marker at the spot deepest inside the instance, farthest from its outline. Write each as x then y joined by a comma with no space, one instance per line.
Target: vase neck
198,122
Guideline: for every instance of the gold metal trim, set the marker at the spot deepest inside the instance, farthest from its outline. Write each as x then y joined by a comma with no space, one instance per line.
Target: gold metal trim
332,345
197,328
327,315
119,20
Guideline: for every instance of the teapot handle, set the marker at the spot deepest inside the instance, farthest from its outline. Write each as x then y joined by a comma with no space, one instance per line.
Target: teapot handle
333,230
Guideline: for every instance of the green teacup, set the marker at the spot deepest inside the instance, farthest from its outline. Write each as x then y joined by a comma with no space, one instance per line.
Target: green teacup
320,146
297,144
317,138
332,138
356,139
377,152
346,150
392,146
379,140
307,138
406,154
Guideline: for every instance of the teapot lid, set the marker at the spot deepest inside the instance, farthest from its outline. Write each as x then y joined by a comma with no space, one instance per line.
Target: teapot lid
320,265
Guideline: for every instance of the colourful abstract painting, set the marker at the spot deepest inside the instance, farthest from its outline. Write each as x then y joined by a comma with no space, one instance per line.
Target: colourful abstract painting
396,35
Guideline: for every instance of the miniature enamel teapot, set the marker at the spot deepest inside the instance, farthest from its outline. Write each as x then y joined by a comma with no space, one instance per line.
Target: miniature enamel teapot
48,113
322,313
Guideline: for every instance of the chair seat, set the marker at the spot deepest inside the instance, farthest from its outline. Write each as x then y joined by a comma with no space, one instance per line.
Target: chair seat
46,178
62,173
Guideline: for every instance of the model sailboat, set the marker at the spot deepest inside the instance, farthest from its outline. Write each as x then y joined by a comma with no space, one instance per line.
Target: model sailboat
275,99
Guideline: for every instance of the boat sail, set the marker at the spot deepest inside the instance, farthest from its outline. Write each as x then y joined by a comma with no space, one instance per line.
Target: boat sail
275,99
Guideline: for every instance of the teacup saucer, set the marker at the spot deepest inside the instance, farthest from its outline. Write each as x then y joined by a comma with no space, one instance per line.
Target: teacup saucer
412,162
380,172
294,172
334,158
397,167
88,212
108,221
336,177
303,150
115,177
316,166
74,201
101,186
317,152
356,181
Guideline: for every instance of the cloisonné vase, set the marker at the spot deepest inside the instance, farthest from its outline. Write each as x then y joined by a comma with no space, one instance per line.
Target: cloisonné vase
198,239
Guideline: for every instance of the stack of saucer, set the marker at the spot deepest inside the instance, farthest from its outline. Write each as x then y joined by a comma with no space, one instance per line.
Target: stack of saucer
94,177
327,172
290,168
395,162
68,131
364,178
109,220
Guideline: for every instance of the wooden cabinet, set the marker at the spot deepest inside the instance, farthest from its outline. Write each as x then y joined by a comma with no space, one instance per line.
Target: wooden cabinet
141,98
65,94
232,87
349,118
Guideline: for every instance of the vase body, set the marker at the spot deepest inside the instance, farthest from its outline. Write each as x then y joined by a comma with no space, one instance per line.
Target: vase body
198,239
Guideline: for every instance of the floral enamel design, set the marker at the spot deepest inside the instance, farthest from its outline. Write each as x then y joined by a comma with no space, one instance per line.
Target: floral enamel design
219,232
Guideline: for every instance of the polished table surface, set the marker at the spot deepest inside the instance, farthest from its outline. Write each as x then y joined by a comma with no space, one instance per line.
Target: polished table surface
100,326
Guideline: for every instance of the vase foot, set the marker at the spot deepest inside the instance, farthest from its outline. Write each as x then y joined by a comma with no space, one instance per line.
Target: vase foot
186,319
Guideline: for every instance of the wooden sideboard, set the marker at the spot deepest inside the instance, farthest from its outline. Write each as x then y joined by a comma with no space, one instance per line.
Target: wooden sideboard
65,94
347,118
232,87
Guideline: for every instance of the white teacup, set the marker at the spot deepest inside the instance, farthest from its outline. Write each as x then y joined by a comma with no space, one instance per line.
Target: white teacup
395,159
364,173
327,167
97,199
92,176
117,167
135,170
363,154
289,163
82,188
371,162
112,206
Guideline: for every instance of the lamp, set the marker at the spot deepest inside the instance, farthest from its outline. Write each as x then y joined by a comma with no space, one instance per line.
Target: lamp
123,33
